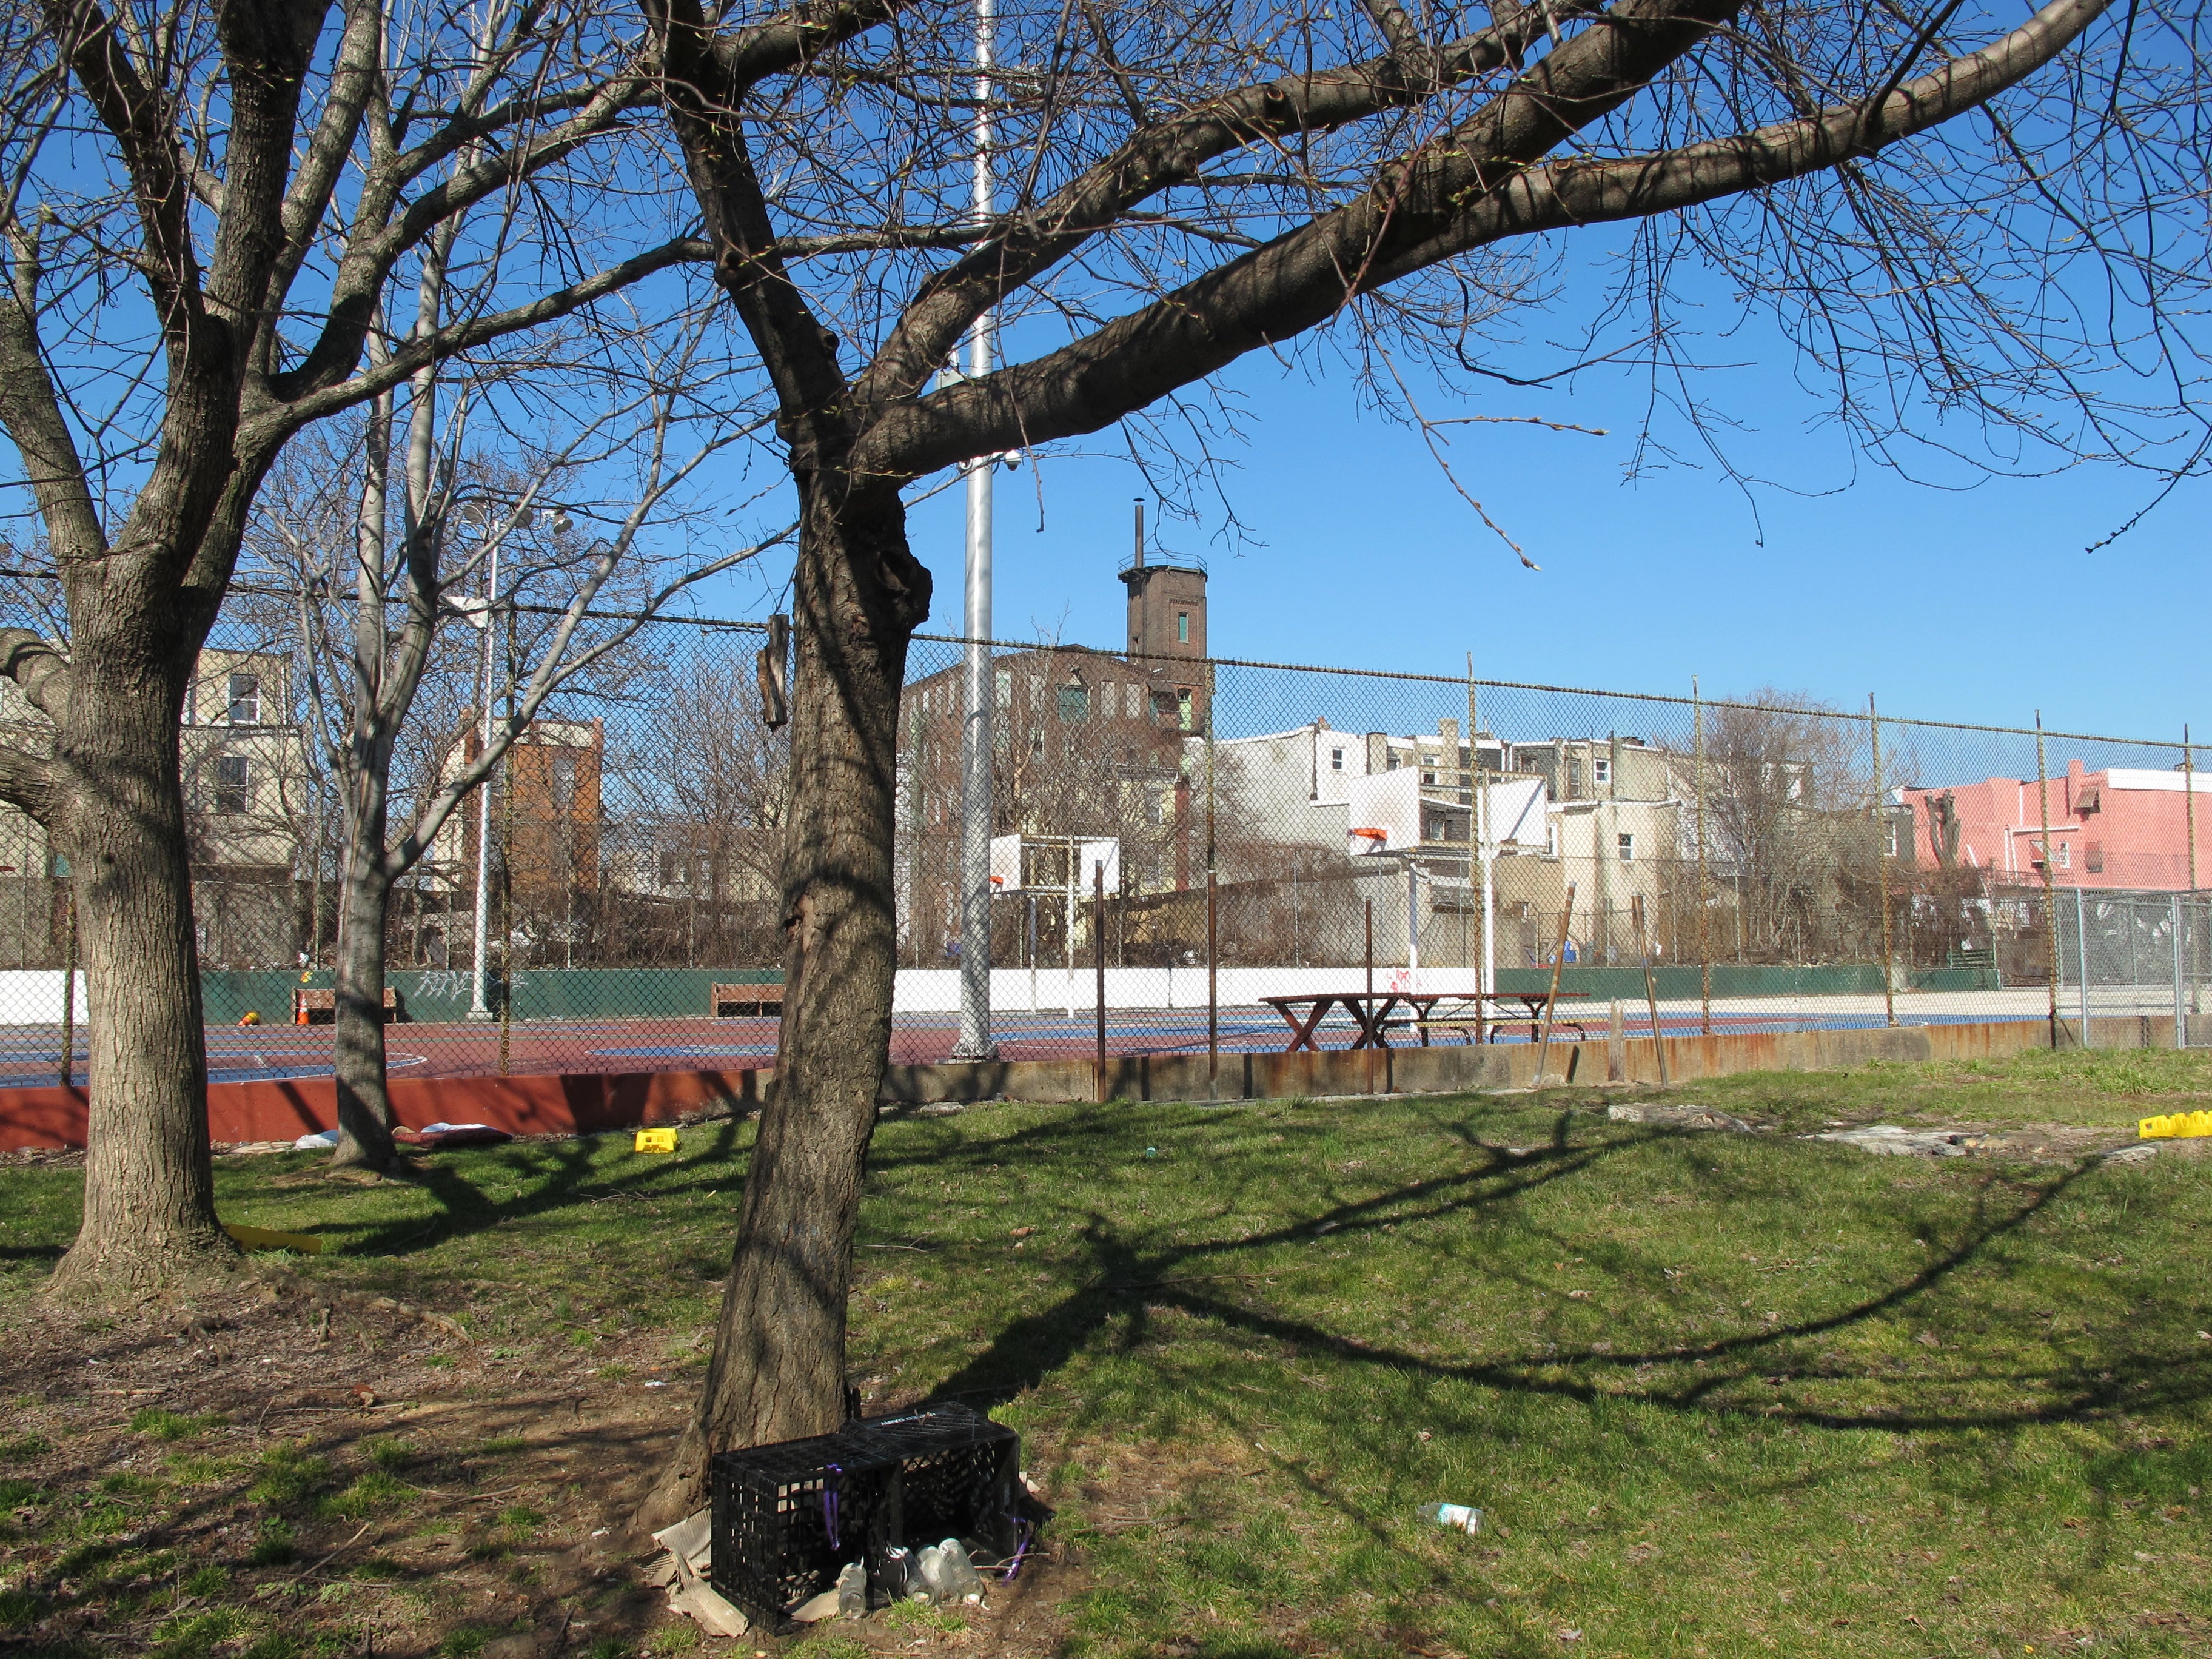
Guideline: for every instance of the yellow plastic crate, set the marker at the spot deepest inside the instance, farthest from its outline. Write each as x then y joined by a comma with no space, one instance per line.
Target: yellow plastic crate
664,1140
2176,1126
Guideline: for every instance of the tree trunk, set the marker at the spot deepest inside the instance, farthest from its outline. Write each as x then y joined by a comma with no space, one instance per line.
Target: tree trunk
148,1187
778,1370
364,1097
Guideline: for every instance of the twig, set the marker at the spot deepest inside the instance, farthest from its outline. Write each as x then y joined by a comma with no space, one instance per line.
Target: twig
335,1553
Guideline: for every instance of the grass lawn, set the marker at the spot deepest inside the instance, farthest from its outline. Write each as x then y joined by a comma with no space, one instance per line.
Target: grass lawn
1715,1394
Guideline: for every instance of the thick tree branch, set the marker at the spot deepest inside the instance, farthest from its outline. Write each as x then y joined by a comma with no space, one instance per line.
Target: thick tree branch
1444,200
39,669
1159,158
27,784
799,355
31,411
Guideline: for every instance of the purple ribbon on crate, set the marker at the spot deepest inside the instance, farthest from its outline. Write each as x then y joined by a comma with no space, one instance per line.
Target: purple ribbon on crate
829,1507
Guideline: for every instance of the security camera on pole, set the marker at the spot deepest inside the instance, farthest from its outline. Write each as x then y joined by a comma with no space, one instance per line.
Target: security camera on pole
976,734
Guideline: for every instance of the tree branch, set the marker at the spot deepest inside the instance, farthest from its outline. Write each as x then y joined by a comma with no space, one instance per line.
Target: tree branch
1160,158
1444,200
27,784
41,670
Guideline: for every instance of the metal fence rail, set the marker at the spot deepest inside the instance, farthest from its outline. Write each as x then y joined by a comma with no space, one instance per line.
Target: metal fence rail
1185,838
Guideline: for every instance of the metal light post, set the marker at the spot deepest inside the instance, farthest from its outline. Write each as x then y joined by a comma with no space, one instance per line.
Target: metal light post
479,1008
976,735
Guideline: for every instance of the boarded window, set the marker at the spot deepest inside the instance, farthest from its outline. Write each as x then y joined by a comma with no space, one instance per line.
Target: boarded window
1074,702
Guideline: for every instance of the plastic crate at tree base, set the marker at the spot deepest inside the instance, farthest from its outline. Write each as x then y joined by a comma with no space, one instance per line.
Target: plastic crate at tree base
788,1517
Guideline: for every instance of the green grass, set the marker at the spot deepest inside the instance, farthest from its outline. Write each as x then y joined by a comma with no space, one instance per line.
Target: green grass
1715,1395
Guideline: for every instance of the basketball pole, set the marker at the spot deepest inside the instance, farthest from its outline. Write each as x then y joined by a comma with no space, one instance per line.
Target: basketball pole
976,734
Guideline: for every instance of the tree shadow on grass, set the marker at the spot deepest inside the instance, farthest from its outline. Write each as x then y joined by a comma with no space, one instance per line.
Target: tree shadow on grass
1131,1281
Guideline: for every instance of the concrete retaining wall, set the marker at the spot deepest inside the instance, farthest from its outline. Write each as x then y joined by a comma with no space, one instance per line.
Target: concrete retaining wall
588,1103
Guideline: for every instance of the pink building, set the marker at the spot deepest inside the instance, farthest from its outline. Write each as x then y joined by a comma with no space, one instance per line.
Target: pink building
2118,827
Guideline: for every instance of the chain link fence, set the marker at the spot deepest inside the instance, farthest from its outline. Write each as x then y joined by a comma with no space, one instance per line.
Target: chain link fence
1225,851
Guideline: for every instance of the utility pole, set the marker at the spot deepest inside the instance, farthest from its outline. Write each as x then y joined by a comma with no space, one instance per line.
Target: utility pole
479,984
976,735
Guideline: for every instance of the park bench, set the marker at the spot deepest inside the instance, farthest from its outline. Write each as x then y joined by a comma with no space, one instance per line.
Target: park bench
312,1007
738,1000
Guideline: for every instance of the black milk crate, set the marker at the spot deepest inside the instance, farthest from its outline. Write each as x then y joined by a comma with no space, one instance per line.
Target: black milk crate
788,1517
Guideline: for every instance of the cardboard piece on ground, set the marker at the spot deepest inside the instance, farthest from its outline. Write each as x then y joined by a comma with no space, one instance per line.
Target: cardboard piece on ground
690,1547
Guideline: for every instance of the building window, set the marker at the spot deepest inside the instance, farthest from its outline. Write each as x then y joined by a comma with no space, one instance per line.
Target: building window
1336,760
1182,627
1130,697
246,700
1186,710
1627,846
2092,856
1551,840
1004,680
1394,761
234,783
1074,702
1602,770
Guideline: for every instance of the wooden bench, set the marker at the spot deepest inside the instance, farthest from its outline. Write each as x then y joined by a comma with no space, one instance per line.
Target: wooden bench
310,1007
738,1002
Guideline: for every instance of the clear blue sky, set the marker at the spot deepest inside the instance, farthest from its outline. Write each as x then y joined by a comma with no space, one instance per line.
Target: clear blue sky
1975,605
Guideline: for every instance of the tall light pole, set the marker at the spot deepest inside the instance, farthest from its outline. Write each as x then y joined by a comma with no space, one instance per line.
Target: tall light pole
976,735
478,981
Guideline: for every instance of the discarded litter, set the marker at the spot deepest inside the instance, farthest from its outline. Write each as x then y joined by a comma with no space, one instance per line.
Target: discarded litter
689,1544
320,1141
851,1590
1152,1151
1460,1517
2175,1125
654,1141
1888,1140
267,1239
1677,1116
437,1135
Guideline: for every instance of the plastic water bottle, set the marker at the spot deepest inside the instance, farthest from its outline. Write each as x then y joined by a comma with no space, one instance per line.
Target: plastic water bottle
962,1581
1459,1516
852,1591
931,1562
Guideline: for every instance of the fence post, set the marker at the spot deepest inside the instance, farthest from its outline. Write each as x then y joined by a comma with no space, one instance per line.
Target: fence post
69,985
1705,875
2050,896
1212,917
2180,1001
2081,956
1099,955
1616,1046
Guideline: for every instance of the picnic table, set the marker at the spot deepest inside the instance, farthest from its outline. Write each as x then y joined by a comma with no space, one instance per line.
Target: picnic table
1371,1011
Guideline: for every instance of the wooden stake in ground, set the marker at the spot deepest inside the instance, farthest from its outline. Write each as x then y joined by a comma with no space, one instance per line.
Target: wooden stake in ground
1650,984
1552,1001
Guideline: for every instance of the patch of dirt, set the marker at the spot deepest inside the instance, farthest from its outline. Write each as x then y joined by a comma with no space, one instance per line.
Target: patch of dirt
365,1481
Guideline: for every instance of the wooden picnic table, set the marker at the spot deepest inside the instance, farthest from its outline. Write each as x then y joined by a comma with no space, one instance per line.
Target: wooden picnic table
1368,1009
1370,1012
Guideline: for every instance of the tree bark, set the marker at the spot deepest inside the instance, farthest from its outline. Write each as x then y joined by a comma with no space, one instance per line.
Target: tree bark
364,1098
779,1366
148,1187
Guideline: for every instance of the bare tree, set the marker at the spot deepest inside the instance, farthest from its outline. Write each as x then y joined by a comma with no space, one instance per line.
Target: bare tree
1184,184
205,202
375,605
